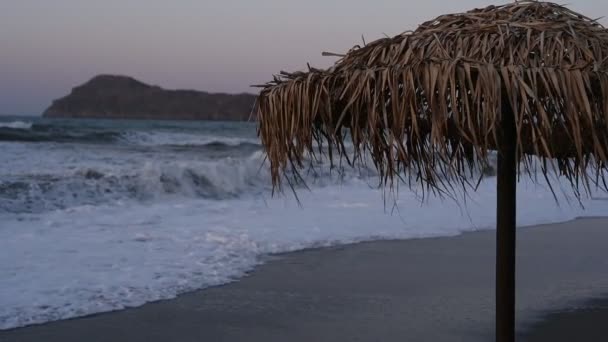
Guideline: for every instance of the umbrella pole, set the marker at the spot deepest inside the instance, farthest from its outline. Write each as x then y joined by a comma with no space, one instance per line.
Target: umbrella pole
505,226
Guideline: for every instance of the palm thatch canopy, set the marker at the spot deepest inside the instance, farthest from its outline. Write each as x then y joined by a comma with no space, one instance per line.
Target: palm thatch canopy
428,102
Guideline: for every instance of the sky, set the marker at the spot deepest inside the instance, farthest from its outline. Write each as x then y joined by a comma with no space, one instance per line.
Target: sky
49,46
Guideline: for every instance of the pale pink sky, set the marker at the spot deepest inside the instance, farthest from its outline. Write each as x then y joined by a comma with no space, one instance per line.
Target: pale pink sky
47,47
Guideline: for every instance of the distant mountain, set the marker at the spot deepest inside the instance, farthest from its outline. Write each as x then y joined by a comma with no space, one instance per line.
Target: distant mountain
122,97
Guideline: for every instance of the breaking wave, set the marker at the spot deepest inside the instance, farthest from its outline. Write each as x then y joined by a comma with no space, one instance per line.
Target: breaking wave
214,179
16,125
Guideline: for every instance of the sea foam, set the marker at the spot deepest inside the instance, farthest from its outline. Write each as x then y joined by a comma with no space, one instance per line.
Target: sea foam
16,125
89,259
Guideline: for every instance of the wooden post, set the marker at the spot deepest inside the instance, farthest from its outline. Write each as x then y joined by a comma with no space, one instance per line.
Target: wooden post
505,225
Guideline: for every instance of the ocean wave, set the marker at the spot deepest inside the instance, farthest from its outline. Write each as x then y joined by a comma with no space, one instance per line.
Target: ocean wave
184,139
29,135
157,180
154,181
16,125
28,132
214,179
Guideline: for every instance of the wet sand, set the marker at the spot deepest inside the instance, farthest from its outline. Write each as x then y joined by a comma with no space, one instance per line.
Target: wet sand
588,322
438,289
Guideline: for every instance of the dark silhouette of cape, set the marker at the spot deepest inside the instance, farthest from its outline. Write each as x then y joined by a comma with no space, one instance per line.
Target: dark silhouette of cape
122,97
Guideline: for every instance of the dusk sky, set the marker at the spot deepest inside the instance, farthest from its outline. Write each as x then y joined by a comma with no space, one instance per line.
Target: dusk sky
49,46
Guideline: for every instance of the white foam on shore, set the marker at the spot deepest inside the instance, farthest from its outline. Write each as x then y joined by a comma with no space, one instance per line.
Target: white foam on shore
89,259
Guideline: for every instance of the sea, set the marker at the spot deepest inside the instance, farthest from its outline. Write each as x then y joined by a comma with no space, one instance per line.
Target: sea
101,215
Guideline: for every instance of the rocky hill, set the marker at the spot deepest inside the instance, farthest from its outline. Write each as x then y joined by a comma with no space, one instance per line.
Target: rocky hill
122,97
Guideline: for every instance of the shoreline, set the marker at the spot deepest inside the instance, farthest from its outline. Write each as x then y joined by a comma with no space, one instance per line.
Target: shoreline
434,288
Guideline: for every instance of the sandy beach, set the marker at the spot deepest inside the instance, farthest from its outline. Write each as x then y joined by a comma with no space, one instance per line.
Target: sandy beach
587,322
436,289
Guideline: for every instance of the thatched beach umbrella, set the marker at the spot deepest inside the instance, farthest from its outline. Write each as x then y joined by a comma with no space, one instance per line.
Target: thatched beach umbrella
528,80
